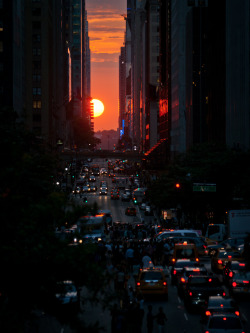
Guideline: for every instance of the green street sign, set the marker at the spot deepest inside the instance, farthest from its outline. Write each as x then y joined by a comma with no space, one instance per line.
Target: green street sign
204,187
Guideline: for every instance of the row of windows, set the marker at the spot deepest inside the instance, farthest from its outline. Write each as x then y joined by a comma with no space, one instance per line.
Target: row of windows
37,91
37,104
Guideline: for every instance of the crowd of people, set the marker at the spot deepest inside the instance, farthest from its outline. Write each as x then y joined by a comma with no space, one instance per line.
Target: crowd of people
127,249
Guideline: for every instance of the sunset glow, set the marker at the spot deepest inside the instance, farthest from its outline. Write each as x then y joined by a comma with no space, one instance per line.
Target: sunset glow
98,107
106,26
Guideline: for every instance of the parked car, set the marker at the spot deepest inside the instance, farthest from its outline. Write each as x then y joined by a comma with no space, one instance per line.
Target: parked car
67,294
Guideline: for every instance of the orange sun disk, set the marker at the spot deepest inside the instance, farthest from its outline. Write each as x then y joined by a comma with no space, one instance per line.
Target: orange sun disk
98,107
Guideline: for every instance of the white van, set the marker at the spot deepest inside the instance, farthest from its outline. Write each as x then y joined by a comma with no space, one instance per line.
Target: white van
177,233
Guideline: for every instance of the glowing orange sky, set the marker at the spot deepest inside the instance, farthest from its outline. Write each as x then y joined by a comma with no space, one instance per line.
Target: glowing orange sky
106,33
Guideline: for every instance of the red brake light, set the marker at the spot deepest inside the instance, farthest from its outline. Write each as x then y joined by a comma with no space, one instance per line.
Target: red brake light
174,272
220,262
164,283
183,280
208,313
230,274
221,305
197,259
242,264
229,257
190,293
223,294
245,281
237,313
234,284
224,318
138,283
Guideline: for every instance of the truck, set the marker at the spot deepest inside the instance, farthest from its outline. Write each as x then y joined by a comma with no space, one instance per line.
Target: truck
237,224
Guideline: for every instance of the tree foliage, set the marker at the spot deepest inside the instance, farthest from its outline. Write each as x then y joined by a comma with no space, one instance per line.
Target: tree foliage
32,258
209,164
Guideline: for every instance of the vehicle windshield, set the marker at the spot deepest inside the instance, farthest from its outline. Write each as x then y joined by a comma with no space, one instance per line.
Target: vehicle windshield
185,253
242,275
151,276
225,323
200,281
229,254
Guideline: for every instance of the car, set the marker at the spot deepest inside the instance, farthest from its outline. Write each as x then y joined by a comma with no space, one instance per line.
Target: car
185,250
221,257
219,304
115,195
163,235
92,178
149,211
229,243
199,288
93,188
78,190
131,211
125,197
103,191
182,278
152,281
240,284
178,266
231,268
223,323
86,188
199,242
67,294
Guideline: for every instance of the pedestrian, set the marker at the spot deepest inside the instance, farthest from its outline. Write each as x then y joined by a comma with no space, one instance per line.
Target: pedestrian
161,319
150,319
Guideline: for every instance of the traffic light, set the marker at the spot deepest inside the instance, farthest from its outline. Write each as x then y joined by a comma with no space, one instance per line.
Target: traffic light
85,199
177,185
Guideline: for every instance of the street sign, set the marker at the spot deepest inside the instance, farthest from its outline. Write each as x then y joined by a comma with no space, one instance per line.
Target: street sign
204,187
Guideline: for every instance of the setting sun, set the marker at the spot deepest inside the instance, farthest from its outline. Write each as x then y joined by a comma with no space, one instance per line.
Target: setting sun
98,107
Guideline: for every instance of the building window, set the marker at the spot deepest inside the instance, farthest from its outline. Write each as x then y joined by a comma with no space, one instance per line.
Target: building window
37,104
36,77
37,117
36,25
36,11
36,65
36,38
36,51
37,130
37,91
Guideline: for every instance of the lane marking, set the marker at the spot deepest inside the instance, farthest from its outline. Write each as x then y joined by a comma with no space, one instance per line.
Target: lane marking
185,315
245,318
179,300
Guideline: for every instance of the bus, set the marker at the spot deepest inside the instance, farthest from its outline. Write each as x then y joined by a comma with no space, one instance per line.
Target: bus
139,195
92,227
95,169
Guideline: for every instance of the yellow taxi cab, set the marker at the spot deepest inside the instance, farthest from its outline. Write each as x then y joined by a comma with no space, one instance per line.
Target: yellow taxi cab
222,257
152,281
185,250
